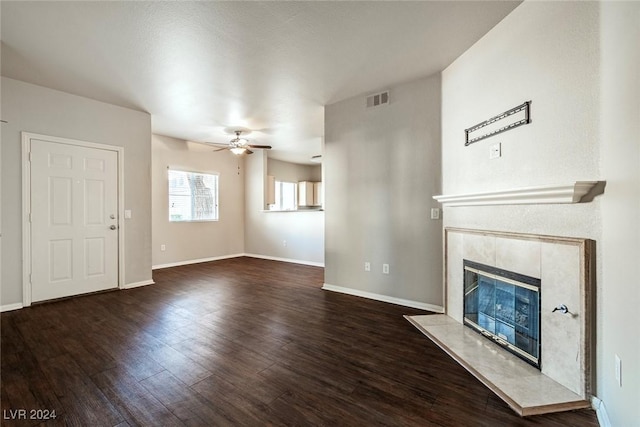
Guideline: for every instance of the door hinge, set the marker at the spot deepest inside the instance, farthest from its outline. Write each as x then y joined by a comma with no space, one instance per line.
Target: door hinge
30,217
30,156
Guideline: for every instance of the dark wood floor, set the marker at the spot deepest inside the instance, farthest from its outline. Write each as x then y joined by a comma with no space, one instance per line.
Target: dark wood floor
238,342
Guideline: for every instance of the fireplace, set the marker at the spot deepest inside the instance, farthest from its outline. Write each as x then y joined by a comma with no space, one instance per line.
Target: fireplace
504,306
556,372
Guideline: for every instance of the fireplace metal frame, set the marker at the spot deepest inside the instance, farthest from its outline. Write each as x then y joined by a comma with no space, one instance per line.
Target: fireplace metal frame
516,279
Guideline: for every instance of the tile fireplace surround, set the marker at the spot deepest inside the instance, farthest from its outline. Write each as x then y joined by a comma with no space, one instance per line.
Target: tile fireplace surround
565,267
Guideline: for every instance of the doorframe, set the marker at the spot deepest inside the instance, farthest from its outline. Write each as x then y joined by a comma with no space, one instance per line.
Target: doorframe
26,204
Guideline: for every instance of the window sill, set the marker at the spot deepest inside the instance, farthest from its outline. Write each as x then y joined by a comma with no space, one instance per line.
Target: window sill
194,220
296,210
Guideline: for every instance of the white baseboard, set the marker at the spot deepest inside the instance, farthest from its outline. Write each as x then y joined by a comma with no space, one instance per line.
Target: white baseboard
10,307
294,261
601,412
18,305
194,261
138,284
384,298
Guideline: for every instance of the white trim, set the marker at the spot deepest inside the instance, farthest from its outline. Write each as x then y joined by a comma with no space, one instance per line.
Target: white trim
313,209
384,298
562,193
121,218
194,261
138,284
10,307
218,258
26,224
294,261
601,412
26,204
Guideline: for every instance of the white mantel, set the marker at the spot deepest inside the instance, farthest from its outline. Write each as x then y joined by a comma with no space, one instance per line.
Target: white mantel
571,192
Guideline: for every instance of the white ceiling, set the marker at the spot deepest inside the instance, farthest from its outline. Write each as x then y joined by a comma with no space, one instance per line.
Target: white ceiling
200,68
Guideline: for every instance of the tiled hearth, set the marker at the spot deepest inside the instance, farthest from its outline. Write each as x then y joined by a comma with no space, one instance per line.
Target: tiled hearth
565,269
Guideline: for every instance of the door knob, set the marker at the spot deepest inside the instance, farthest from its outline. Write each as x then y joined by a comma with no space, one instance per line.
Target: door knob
113,227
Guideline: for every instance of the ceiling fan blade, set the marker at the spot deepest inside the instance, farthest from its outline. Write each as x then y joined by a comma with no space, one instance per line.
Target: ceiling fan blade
247,151
263,147
221,149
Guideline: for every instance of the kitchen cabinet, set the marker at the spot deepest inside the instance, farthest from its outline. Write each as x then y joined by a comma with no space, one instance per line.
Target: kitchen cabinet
271,190
309,193
317,194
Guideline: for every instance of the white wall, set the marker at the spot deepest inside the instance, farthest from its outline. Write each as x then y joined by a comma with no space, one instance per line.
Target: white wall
266,232
552,53
192,241
619,293
381,168
293,172
546,52
40,110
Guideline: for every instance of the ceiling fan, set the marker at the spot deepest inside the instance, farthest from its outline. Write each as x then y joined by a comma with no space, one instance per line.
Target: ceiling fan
239,146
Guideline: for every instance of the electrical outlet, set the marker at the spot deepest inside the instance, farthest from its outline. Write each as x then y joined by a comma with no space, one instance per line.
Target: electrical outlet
495,150
163,247
385,268
367,266
619,370
284,243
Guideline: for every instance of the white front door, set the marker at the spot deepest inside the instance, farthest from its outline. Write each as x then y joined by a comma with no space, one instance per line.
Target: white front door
74,219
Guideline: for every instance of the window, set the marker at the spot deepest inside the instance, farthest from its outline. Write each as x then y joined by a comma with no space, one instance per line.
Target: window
193,196
286,199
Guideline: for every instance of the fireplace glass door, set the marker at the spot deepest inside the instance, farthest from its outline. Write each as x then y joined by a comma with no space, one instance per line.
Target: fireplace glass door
505,307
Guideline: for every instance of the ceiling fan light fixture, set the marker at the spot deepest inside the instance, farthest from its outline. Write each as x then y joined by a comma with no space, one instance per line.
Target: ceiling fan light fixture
240,146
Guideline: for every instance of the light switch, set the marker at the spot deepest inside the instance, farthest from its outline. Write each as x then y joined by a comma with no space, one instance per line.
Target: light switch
495,151
127,214
618,368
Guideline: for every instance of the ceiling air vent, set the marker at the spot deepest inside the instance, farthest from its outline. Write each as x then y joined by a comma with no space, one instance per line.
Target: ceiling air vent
376,99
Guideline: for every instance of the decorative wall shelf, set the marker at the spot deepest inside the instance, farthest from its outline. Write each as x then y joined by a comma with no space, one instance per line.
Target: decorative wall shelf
544,194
